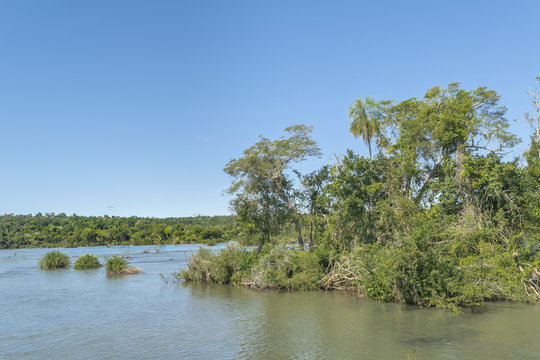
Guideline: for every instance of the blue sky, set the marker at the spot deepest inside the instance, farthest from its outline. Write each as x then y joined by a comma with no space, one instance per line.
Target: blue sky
134,107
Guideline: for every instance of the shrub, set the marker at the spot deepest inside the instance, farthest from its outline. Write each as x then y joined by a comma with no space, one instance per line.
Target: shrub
54,259
117,264
273,269
282,267
307,271
230,265
276,267
86,262
432,277
198,267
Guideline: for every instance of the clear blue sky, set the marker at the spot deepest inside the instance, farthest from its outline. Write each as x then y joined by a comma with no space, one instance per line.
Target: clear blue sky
134,107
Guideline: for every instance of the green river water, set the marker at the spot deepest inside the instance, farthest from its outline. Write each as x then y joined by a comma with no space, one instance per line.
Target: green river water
68,314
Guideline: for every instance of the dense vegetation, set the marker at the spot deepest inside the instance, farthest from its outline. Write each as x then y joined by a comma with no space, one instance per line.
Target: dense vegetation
87,262
60,230
54,259
274,267
438,215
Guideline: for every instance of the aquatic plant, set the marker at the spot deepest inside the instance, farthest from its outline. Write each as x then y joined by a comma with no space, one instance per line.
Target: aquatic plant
118,264
54,259
87,262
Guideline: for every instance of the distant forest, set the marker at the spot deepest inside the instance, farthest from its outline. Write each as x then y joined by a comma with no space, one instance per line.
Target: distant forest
61,230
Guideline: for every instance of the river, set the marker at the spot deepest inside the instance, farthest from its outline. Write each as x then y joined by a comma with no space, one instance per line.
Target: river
69,314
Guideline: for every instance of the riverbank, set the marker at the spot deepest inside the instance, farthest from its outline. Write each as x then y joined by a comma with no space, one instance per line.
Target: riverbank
376,272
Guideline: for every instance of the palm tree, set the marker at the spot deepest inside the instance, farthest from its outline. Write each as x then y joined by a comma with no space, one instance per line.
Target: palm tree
364,115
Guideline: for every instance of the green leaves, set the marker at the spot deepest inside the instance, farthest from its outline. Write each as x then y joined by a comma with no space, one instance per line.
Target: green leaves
365,117
265,194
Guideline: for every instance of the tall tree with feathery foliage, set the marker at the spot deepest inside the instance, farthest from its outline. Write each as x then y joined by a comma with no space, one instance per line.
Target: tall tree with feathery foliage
364,115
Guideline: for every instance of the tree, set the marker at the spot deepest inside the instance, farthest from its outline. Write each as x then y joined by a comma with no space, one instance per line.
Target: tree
533,162
364,115
313,200
534,121
446,125
266,195
355,190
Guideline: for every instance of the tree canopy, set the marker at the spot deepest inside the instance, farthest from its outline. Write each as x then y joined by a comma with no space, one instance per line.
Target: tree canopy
436,216
266,193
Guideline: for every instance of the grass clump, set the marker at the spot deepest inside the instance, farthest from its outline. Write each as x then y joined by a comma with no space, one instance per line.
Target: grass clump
54,259
118,264
229,266
87,262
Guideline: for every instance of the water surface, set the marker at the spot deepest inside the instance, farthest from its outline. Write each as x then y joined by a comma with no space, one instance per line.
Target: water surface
70,314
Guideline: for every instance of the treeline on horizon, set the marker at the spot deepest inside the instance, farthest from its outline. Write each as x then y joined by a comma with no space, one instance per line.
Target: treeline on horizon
61,230
439,214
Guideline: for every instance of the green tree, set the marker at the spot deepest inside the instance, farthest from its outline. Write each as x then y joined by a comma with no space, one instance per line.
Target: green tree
266,194
532,156
313,199
355,189
364,115
446,125
534,120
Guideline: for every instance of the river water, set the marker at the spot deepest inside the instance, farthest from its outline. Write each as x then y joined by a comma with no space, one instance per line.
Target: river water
69,314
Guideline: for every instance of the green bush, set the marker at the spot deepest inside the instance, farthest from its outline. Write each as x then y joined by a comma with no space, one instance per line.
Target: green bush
116,264
276,267
429,276
283,267
54,259
230,266
87,262
307,271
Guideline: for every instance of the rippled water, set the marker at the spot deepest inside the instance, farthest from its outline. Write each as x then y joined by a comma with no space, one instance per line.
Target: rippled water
68,314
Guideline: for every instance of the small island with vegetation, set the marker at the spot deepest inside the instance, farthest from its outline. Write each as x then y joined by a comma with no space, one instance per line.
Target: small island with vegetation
438,215
54,259
118,264
87,262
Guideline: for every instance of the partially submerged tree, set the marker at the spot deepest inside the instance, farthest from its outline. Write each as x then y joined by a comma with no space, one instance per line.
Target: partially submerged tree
265,193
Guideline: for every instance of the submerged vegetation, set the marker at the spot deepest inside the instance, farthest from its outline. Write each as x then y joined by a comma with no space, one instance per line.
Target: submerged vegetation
54,259
87,262
60,230
438,215
117,264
